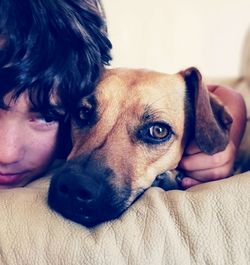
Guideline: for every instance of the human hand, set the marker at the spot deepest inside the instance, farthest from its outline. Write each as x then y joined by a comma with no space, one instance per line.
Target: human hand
199,167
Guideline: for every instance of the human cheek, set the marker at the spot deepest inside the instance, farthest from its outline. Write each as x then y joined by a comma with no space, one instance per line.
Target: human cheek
42,149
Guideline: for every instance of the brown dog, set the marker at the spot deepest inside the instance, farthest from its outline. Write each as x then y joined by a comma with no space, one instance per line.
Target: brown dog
132,129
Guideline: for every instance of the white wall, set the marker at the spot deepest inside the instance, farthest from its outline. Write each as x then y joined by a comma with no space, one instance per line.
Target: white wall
171,35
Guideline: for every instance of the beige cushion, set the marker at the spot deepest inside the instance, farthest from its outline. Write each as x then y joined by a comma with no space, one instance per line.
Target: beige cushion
207,224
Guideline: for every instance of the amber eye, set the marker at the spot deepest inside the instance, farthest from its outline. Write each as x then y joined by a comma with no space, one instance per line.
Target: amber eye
155,132
158,131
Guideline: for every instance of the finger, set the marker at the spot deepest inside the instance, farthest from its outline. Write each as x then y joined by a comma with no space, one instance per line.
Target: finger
211,174
212,88
189,182
202,161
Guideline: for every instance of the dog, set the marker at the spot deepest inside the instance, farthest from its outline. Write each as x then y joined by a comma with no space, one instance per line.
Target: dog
130,134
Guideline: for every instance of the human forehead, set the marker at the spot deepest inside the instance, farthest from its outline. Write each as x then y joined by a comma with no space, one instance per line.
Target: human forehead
24,104
20,104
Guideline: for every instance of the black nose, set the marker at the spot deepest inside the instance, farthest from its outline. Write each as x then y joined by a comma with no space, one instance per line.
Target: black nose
80,189
74,191
87,194
82,195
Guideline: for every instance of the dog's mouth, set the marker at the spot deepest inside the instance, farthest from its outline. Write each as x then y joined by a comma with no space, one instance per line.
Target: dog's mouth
88,214
89,194
88,219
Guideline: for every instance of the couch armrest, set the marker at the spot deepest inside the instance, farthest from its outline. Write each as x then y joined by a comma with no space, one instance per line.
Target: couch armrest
207,224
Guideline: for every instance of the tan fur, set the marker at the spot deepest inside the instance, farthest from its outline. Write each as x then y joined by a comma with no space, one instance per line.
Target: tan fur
114,156
123,97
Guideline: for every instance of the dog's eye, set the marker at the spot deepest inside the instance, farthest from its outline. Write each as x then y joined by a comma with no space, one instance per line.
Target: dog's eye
155,133
85,116
83,113
158,131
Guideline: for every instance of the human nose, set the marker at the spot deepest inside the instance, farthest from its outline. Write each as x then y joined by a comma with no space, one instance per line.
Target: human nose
11,145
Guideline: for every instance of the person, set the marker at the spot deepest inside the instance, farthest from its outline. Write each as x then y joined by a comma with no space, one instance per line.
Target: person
198,167
52,53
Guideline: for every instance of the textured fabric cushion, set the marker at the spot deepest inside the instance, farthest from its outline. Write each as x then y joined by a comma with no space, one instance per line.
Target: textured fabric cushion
207,224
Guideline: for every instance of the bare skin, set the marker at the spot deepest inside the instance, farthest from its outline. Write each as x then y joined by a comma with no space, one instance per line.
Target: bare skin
27,141
199,167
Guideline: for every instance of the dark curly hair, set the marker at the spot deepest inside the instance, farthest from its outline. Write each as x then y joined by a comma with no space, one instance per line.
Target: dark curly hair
52,47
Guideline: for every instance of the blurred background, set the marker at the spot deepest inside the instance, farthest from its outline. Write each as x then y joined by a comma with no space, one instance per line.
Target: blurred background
171,35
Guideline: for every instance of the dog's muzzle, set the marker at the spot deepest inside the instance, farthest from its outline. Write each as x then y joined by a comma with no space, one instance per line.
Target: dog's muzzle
85,193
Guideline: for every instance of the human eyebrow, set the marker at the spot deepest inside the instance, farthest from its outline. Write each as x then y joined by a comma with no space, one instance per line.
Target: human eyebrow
53,111
4,106
52,108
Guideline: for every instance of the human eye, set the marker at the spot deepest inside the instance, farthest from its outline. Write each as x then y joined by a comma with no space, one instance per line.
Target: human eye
41,121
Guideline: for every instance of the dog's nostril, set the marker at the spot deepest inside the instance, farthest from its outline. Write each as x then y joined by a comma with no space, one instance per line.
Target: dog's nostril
64,189
84,195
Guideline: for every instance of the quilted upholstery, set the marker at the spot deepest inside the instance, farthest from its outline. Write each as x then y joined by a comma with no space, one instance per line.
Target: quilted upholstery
207,224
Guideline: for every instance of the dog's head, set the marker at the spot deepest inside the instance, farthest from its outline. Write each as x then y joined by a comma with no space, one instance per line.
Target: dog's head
133,128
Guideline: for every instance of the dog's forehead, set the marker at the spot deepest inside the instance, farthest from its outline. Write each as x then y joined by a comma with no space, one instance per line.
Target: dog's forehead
142,91
140,80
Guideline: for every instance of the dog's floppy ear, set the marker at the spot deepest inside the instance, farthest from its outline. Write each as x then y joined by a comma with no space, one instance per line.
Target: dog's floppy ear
212,121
